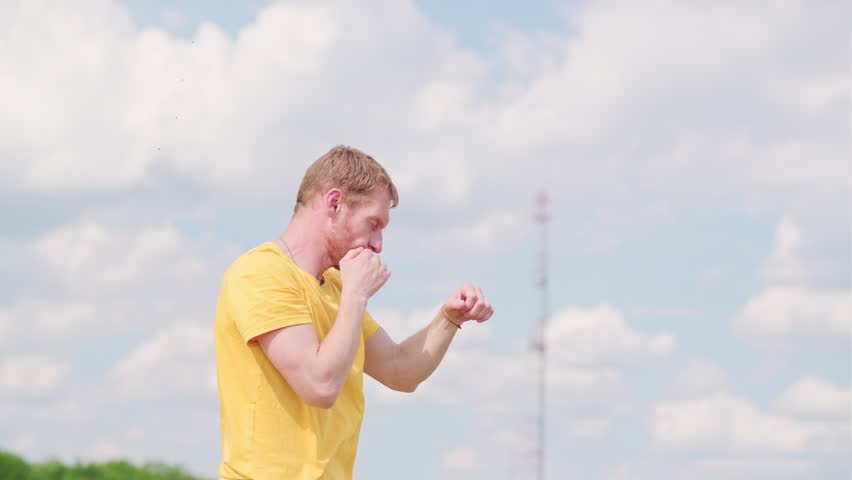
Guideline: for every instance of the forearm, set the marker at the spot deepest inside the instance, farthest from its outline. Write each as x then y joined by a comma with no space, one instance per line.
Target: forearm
419,355
336,352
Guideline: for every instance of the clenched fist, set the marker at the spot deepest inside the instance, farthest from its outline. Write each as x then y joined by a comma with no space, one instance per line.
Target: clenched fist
467,303
363,273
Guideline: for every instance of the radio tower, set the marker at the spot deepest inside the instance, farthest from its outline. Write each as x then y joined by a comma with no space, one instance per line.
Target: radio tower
539,345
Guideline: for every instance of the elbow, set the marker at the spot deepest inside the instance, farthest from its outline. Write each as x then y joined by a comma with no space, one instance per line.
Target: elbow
322,402
409,388
406,387
323,396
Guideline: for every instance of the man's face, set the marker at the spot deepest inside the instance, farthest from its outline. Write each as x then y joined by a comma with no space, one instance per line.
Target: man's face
360,225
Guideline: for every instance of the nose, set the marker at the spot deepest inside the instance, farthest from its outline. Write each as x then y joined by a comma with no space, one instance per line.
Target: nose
375,243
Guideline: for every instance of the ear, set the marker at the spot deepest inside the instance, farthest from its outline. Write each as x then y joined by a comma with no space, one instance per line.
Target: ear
333,201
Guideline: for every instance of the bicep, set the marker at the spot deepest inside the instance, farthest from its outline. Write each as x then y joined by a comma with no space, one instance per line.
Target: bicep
292,350
380,355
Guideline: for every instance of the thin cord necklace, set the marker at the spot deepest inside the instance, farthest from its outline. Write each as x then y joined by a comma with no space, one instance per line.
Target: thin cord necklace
293,259
289,253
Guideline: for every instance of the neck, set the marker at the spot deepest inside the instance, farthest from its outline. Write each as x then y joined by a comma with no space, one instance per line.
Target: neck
306,247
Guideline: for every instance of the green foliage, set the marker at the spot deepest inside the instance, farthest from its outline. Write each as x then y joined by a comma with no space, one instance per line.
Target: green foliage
13,467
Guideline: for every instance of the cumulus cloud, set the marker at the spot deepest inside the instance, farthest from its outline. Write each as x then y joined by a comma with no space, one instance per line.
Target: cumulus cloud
504,453
728,422
699,377
812,397
748,467
585,393
600,336
50,320
176,360
105,278
789,314
485,234
462,458
94,259
224,109
241,112
590,427
800,301
32,374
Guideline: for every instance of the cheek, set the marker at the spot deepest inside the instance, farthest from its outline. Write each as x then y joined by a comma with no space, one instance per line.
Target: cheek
356,234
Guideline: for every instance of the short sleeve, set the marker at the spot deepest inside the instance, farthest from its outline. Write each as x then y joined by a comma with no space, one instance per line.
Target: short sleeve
370,326
260,302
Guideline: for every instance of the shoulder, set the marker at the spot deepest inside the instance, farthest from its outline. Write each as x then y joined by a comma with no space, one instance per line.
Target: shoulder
261,261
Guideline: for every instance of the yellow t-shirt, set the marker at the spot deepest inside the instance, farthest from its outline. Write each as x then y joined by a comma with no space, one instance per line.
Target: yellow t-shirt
268,432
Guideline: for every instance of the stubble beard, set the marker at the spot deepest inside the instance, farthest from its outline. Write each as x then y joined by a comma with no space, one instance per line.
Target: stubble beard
338,244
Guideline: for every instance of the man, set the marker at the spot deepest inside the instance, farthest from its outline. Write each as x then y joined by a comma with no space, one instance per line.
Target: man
293,336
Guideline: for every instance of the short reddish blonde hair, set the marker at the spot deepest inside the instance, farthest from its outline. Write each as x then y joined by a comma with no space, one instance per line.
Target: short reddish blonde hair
354,172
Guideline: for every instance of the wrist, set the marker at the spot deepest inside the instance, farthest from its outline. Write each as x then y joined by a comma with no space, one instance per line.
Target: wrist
453,322
354,299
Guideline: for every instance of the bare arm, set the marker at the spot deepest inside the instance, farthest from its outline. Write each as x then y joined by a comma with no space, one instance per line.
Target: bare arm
404,366
317,371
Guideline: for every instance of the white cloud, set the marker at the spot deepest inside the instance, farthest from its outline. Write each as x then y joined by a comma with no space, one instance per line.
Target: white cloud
176,360
91,258
612,68
23,442
584,393
802,299
67,411
811,247
135,432
600,336
504,453
590,428
731,437
493,384
31,374
728,422
633,471
9,411
192,106
747,467
111,279
790,314
699,377
583,344
786,265
47,320
486,234
461,458
813,397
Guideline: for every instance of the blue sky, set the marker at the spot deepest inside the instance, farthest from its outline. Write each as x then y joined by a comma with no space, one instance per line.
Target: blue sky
697,157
